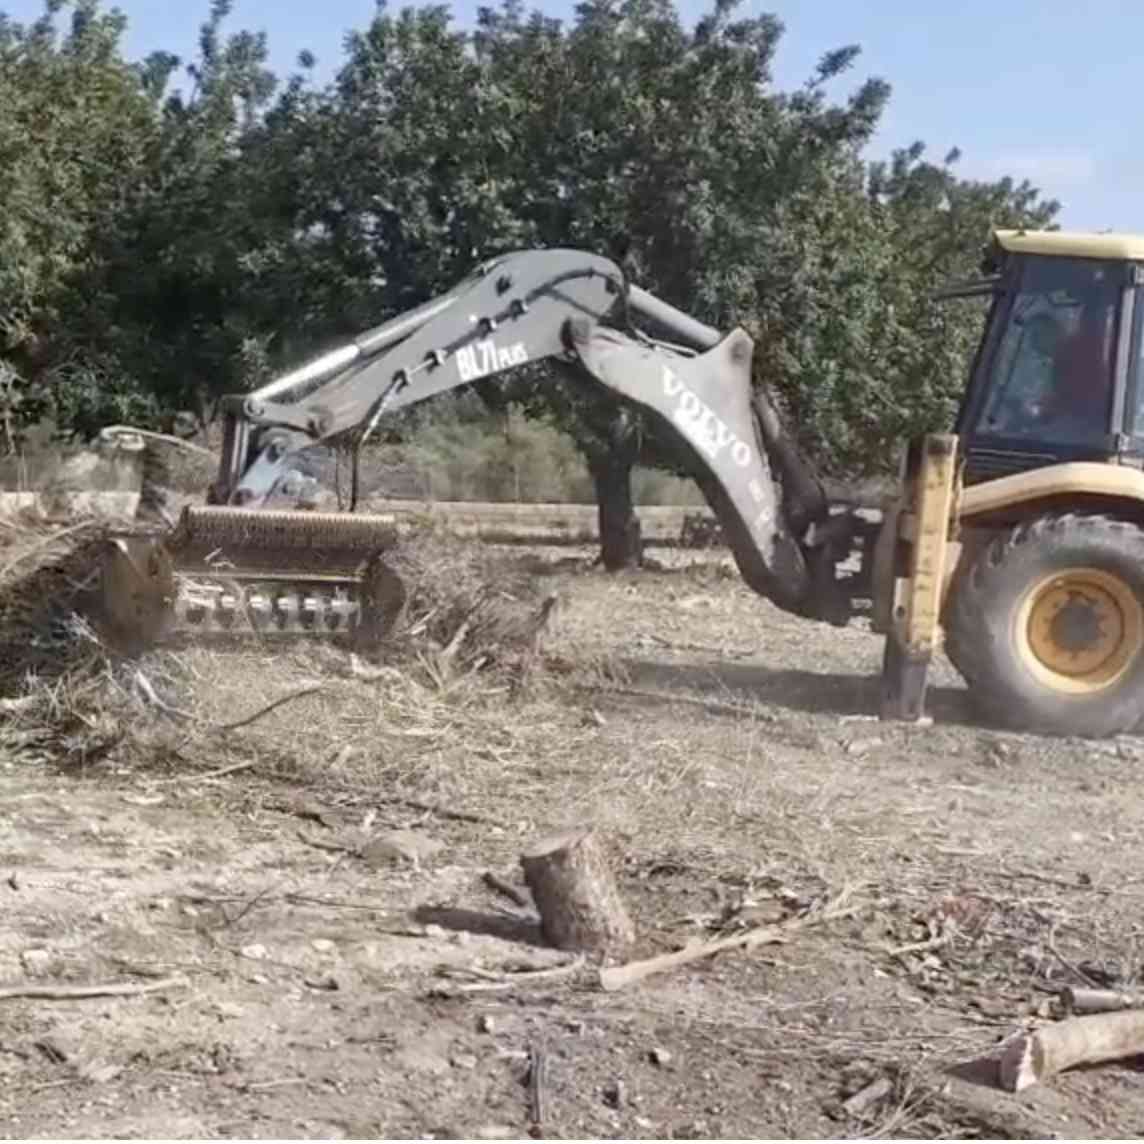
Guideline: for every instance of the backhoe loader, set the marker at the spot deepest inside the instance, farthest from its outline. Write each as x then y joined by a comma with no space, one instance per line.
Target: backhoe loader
1015,537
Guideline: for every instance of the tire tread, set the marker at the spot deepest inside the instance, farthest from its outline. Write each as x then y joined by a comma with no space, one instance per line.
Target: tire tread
968,635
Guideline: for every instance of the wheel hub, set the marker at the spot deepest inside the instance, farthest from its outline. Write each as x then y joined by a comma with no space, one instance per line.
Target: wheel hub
1083,625
1082,628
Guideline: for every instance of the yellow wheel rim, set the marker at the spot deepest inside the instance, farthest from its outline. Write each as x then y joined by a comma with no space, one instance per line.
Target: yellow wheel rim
1078,631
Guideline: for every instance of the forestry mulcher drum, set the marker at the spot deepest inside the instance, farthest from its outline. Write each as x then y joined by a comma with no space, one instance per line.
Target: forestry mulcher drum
1015,537
270,572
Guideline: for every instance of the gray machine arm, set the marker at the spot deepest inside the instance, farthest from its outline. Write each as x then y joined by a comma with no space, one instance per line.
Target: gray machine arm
535,305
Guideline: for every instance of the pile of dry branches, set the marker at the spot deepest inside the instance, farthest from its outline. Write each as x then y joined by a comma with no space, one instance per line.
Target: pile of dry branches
53,666
47,575
463,609
466,619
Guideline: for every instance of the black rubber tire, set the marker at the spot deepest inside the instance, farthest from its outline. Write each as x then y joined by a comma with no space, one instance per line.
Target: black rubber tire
982,610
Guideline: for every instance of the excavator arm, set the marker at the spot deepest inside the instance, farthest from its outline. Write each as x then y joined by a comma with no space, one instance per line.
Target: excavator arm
508,312
576,308
313,570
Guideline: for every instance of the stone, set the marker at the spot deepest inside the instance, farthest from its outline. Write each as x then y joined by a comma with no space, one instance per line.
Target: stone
423,1056
856,748
38,962
614,1094
400,846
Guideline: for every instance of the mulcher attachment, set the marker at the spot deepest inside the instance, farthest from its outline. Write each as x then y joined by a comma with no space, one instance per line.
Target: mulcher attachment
241,571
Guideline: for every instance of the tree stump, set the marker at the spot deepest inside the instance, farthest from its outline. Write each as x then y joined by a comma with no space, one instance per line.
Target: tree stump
577,897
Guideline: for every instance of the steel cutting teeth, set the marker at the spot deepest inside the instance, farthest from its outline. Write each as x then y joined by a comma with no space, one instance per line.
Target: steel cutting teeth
203,609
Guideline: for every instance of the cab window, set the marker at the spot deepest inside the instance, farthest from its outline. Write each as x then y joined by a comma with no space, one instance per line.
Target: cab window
1052,374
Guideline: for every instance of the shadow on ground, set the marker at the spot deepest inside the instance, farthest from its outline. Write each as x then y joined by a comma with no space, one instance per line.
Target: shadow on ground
816,693
491,925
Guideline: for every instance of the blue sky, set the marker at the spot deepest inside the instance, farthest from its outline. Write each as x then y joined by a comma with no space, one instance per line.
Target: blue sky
1044,89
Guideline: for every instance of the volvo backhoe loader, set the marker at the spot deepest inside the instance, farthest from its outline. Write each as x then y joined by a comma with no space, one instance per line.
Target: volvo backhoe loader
1016,537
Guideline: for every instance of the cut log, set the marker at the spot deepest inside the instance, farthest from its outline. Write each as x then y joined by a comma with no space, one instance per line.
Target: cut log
1039,1056
579,903
1079,1000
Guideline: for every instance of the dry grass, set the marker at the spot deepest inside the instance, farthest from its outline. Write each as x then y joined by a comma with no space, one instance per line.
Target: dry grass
467,639
991,869
466,608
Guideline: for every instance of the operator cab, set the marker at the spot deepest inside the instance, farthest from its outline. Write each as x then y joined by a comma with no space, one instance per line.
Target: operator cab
1056,374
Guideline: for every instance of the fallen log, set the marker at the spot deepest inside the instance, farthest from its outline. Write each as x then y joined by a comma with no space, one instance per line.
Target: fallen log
575,894
1039,1056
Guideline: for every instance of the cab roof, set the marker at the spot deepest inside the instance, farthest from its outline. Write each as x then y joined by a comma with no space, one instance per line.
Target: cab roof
1072,244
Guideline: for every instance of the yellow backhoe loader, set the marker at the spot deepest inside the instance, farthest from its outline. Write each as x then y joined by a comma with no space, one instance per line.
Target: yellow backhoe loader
1016,537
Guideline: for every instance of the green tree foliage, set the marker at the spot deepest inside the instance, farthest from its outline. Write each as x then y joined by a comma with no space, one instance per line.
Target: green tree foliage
174,294
626,132
669,148
162,244
849,336
75,130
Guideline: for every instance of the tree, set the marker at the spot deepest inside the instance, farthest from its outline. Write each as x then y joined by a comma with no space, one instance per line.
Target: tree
173,286
197,241
849,336
626,133
75,127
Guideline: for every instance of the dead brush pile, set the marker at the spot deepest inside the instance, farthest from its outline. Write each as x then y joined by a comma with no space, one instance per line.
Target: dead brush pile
458,608
463,625
47,576
52,662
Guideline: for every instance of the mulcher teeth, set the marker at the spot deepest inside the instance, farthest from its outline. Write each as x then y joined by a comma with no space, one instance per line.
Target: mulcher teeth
216,608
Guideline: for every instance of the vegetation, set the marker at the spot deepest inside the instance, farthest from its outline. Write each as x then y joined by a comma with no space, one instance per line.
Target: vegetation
163,245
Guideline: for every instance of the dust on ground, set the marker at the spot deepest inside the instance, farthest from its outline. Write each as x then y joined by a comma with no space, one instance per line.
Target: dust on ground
728,755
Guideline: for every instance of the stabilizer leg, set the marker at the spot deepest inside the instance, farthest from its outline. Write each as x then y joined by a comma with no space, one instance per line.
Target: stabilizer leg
911,639
905,678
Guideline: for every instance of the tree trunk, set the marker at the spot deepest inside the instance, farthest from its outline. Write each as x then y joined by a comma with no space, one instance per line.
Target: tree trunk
576,895
620,541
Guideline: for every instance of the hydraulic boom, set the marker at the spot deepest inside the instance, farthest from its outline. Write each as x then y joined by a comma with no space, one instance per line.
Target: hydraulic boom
563,307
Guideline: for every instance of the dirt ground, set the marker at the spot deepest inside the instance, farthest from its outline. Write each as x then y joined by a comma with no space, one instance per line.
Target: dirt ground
728,756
